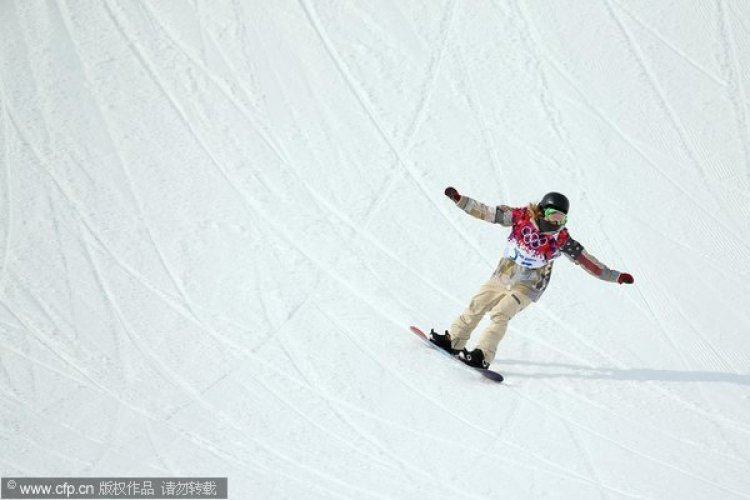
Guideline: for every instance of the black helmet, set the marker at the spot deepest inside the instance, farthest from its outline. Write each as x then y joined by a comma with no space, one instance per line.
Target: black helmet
555,200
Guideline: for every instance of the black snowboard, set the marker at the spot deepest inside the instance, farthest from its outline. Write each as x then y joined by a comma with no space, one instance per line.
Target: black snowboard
490,374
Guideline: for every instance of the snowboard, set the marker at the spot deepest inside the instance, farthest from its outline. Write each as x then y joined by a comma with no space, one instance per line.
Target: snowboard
490,374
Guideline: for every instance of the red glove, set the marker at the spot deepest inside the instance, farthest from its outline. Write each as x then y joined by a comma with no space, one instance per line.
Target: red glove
625,278
451,193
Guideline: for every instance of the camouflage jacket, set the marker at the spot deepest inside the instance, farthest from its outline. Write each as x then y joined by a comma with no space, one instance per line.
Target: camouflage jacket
529,254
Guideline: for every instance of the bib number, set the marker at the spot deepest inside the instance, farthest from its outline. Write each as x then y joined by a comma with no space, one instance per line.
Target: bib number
517,255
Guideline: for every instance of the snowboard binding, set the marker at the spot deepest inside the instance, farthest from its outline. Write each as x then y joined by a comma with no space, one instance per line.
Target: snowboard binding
474,358
443,341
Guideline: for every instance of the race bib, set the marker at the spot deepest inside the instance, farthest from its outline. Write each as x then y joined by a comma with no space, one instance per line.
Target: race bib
522,257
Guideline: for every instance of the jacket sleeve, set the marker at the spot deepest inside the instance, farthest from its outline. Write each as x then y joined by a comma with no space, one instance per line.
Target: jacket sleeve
581,257
501,214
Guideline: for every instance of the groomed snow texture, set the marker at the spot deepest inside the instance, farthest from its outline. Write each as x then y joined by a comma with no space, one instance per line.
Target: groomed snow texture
219,218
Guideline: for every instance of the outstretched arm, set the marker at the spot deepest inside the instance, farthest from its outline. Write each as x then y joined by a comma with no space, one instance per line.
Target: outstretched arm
581,257
497,215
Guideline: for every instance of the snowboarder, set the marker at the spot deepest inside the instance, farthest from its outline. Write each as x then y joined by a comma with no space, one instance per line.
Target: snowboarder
538,236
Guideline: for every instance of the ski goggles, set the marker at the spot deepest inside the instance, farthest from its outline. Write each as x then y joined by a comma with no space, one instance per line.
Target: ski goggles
555,216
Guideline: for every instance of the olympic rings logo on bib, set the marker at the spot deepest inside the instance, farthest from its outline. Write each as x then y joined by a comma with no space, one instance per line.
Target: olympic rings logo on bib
532,239
527,246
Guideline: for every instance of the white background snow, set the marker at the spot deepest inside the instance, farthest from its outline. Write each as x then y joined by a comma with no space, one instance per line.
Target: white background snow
218,220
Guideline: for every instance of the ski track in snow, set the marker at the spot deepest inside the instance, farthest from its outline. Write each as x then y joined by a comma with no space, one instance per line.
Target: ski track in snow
7,186
679,127
390,466
455,415
550,110
73,365
376,123
633,451
433,71
735,88
31,412
128,176
96,234
284,157
475,106
348,301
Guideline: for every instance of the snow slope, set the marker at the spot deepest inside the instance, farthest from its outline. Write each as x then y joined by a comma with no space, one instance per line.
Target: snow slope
219,219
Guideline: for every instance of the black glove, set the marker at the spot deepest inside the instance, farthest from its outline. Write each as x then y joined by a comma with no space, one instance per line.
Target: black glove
451,193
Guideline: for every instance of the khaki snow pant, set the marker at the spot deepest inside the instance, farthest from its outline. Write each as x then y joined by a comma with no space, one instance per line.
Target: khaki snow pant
502,305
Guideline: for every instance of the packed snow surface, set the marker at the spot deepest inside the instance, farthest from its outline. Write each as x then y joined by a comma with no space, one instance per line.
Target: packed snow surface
219,218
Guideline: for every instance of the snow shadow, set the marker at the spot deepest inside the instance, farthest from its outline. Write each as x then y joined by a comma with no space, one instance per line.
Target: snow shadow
566,370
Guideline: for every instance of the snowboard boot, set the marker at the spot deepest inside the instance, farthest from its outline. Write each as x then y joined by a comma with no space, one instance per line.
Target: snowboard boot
474,358
443,341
